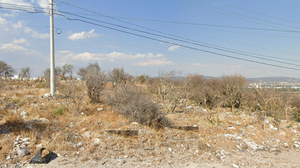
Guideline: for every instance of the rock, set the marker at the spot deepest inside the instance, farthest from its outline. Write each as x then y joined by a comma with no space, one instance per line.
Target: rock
296,144
47,95
44,120
286,145
272,127
231,128
23,114
235,166
80,144
134,123
253,145
26,139
87,134
100,109
22,152
39,146
97,141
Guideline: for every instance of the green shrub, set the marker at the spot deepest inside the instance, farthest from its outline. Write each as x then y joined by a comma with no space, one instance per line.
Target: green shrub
58,111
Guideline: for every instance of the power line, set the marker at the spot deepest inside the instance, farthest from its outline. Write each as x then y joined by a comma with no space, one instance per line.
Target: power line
25,10
240,15
177,44
262,14
209,25
18,5
189,41
186,55
202,44
238,43
185,46
163,32
78,6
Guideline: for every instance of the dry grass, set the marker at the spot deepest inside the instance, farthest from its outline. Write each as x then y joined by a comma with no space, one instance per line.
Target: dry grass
65,129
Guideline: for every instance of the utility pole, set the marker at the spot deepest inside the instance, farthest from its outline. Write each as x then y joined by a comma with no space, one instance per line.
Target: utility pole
52,63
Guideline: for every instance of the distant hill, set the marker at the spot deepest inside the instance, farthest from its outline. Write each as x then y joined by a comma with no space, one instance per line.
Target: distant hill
275,79
256,80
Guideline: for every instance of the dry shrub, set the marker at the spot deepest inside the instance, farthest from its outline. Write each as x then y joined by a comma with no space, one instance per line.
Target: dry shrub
73,94
46,76
169,90
132,102
95,79
295,104
152,84
232,88
119,76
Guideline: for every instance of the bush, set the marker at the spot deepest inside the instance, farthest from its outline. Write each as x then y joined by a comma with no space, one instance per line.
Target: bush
58,111
295,103
57,73
142,78
132,102
95,80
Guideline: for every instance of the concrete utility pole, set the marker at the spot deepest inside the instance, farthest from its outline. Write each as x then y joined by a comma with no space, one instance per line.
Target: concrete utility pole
52,60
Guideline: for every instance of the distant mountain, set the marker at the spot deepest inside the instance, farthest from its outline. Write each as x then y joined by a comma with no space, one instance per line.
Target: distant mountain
274,79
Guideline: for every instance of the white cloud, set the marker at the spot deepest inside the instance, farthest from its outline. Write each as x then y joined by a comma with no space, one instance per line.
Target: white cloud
203,66
43,4
172,48
3,21
12,47
8,14
138,59
154,62
20,41
36,34
18,25
16,2
83,35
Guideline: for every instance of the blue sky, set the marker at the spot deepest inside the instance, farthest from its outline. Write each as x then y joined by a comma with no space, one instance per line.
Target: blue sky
24,36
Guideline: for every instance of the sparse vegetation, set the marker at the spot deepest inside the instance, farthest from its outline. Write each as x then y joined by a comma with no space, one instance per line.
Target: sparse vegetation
94,106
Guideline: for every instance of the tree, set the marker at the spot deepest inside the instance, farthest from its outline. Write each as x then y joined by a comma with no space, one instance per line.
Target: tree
6,70
25,73
69,69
